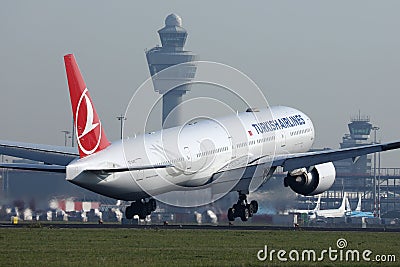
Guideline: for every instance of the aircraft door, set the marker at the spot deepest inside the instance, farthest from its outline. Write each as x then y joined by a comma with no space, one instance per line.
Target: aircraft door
188,157
233,147
282,138
140,172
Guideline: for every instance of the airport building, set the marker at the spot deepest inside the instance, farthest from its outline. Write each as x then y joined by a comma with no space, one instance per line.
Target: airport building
353,175
359,135
378,187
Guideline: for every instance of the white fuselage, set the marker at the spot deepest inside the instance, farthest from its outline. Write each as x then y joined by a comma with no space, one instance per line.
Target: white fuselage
332,213
195,152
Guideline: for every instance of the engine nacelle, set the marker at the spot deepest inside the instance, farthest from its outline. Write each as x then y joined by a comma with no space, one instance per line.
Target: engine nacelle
318,180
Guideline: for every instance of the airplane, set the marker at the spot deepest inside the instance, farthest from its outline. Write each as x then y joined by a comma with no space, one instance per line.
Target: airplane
310,212
358,212
141,168
334,213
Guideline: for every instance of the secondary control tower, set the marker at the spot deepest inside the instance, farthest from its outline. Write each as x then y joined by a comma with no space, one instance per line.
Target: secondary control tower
360,130
172,83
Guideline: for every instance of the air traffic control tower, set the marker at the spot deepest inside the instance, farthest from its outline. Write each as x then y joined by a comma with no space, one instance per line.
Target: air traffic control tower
360,131
171,53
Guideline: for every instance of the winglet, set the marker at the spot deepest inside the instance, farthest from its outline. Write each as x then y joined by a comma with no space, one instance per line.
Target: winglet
88,129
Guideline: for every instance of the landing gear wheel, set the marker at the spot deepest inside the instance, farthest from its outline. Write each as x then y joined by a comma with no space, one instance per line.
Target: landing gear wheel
250,208
245,214
129,213
254,206
231,214
142,214
140,208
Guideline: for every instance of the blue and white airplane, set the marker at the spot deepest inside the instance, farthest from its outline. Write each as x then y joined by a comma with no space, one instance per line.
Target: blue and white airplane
202,153
358,212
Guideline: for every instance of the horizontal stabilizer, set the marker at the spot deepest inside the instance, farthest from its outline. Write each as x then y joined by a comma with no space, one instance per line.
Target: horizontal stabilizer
48,154
33,167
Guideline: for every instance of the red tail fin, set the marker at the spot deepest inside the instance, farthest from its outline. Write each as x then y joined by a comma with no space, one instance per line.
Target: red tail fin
89,132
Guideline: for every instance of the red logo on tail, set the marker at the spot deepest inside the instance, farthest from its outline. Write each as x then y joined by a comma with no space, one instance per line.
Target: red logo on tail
90,135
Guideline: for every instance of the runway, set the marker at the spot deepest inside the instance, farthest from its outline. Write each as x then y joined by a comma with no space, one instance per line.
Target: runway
382,228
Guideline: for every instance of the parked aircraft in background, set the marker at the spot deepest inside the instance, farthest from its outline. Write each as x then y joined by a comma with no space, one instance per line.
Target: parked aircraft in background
334,213
358,212
137,169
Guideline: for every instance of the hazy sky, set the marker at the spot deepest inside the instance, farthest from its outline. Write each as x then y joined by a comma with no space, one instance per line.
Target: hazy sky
328,59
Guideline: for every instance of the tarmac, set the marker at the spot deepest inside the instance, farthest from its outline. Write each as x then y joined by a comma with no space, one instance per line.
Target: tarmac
382,228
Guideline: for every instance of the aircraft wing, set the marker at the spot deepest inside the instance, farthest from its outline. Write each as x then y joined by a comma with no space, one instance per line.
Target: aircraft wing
59,155
240,173
291,162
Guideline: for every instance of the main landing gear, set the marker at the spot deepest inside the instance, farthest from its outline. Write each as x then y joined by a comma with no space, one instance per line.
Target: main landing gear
142,208
242,209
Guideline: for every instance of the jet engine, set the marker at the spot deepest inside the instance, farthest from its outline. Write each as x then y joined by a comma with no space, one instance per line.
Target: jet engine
311,182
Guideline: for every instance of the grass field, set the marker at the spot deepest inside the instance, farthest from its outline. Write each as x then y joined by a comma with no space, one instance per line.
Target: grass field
178,247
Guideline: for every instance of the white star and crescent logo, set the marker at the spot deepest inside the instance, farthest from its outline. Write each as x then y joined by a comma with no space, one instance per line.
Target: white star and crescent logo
90,125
